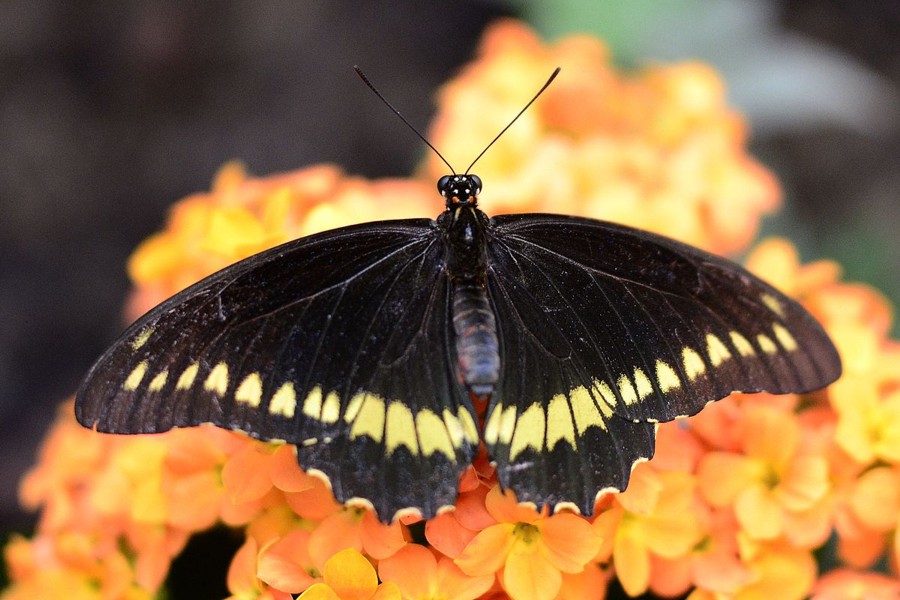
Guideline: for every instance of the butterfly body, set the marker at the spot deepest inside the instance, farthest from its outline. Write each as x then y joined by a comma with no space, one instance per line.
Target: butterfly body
466,235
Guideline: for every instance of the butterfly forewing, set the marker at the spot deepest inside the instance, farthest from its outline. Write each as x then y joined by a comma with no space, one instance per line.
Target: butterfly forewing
606,329
337,343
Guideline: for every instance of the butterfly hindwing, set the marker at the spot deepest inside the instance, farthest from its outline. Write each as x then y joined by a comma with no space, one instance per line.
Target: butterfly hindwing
605,329
337,343
551,433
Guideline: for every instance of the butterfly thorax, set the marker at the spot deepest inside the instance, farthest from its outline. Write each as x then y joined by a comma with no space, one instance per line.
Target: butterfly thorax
464,231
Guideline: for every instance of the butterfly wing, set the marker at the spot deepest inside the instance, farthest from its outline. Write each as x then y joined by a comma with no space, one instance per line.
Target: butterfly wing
606,329
337,343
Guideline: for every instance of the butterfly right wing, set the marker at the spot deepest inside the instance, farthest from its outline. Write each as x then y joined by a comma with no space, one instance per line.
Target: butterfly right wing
604,330
337,343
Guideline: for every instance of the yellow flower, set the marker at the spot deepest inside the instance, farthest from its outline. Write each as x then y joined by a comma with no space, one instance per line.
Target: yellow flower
531,548
655,516
349,576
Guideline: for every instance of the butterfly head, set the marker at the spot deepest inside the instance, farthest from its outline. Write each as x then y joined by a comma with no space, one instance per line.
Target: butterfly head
459,190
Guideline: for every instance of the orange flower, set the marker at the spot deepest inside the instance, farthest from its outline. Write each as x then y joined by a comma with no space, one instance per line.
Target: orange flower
349,576
242,578
532,549
656,515
421,575
714,564
356,528
658,150
69,456
451,532
845,584
770,480
286,564
778,572
192,478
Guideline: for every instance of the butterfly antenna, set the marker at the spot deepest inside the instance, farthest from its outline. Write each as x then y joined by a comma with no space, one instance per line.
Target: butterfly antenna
530,102
402,118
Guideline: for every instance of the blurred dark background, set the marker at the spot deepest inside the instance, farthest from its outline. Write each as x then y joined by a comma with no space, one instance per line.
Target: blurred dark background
110,111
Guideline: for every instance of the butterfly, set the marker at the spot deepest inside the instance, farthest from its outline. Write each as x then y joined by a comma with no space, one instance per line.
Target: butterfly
370,348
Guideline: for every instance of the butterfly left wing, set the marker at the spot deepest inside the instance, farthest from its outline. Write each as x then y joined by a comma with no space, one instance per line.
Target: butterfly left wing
337,343
616,329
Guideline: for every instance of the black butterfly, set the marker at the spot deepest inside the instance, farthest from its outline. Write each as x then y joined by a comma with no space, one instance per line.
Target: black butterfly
364,346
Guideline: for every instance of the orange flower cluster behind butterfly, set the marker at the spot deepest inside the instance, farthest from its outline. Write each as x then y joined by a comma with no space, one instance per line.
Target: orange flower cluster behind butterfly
734,504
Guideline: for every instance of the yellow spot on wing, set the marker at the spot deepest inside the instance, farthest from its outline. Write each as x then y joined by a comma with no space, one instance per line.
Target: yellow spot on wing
529,431
559,421
368,419
766,343
773,304
157,383
454,428
609,398
433,435
500,425
312,406
586,410
626,390
644,387
460,428
492,425
469,428
250,391
135,377
331,408
353,407
717,351
217,380
742,345
400,428
784,337
693,364
141,338
666,377
187,377
284,401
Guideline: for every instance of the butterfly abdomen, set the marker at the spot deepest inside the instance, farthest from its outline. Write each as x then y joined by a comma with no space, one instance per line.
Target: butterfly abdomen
477,349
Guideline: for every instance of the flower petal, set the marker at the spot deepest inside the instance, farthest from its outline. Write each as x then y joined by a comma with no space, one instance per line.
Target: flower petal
632,564
286,564
722,475
447,535
241,578
528,576
246,474
488,552
758,513
351,575
569,541
413,569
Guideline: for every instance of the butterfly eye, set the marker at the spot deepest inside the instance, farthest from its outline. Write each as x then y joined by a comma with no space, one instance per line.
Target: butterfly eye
443,183
476,183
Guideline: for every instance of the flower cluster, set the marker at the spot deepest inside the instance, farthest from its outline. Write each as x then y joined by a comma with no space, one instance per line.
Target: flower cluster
736,501
658,149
